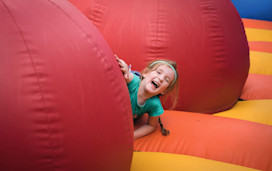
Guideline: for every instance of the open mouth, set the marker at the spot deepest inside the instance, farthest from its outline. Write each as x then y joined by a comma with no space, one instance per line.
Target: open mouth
155,84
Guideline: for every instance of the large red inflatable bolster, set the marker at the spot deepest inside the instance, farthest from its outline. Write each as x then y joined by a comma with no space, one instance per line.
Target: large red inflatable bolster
57,75
205,37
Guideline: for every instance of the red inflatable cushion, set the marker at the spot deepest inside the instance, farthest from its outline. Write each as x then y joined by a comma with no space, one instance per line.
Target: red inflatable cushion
57,75
205,37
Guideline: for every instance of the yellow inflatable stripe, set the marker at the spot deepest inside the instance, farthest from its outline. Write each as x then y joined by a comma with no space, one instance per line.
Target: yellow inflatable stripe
258,34
253,110
155,161
260,63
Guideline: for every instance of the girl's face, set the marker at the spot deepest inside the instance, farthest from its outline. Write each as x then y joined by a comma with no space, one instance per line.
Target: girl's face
157,81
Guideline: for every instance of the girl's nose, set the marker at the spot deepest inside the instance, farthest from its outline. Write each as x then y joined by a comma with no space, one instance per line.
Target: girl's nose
161,78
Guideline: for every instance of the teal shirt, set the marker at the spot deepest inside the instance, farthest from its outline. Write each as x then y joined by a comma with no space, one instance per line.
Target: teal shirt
152,106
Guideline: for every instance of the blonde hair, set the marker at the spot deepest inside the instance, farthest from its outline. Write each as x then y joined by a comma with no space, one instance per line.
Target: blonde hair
172,89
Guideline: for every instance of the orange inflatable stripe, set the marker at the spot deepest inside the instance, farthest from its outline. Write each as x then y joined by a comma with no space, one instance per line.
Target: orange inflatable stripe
260,24
257,86
212,137
260,46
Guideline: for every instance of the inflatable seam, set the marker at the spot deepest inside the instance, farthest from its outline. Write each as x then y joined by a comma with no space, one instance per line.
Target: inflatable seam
216,34
96,14
38,81
156,36
100,53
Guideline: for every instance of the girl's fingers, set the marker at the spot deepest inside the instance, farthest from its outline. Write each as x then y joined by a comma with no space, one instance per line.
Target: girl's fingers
124,67
124,70
122,64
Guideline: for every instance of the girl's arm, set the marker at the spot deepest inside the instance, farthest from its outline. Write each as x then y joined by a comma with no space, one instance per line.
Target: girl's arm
148,128
125,69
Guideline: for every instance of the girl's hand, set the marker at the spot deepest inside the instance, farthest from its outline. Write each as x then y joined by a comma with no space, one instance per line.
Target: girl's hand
125,69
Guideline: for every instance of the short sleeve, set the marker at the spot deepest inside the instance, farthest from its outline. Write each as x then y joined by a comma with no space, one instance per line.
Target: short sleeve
133,83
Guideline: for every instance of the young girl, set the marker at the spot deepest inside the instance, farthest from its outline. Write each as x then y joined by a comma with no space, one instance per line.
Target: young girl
158,78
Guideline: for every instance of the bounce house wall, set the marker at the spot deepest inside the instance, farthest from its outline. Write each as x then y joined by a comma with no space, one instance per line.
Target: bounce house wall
254,9
64,104
205,38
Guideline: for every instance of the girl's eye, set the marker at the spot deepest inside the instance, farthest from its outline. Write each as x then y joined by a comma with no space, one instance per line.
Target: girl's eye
158,72
166,79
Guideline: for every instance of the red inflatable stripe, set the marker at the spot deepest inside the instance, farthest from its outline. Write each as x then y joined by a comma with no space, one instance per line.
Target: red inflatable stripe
257,86
260,46
260,24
